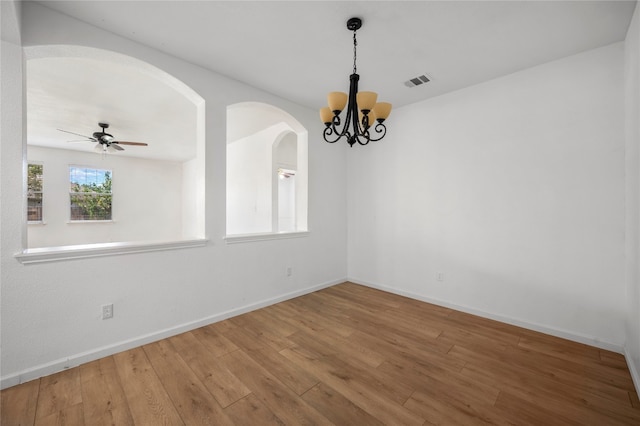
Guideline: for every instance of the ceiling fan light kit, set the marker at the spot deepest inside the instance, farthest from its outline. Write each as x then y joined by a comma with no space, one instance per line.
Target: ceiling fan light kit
363,110
105,142
104,148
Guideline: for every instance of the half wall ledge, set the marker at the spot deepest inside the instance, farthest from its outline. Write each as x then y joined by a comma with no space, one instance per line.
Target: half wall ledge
250,238
83,251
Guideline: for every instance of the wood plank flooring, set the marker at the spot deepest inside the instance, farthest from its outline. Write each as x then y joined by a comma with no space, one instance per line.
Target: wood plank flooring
346,355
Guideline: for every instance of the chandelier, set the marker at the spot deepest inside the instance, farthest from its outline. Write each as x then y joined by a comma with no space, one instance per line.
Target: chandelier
362,109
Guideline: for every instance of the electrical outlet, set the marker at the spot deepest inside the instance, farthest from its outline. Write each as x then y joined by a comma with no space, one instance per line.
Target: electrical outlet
289,271
439,276
107,311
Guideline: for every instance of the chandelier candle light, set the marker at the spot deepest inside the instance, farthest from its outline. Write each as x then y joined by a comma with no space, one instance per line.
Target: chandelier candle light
362,109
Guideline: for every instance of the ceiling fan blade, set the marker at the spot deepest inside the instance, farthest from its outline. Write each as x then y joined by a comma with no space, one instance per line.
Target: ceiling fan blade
115,146
131,143
80,140
78,134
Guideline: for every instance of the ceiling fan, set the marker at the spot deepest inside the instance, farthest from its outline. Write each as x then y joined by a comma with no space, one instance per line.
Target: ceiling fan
105,141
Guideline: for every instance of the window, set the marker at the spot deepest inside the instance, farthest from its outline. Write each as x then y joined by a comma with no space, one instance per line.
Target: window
34,193
90,194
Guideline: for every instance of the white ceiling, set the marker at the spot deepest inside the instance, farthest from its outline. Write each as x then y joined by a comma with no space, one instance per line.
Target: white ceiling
76,93
300,50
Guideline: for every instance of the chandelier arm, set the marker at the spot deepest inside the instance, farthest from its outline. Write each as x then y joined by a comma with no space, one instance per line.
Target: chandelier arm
364,133
365,123
380,129
365,126
362,130
332,129
352,109
350,137
366,141
328,131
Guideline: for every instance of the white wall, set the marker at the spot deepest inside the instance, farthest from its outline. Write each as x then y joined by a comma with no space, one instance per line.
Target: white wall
147,199
513,189
192,209
51,312
249,182
632,147
286,151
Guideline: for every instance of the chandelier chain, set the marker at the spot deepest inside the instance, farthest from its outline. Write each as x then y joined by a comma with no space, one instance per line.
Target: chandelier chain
355,44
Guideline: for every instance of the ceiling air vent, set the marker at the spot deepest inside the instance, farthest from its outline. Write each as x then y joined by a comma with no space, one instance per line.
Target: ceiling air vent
417,81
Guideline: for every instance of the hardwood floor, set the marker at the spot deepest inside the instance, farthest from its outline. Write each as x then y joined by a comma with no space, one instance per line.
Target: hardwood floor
346,355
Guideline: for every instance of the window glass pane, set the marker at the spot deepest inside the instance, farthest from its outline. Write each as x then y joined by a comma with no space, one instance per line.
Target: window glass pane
34,208
34,191
90,193
90,206
89,180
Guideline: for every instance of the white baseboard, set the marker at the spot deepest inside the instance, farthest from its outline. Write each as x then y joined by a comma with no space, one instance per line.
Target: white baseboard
632,369
94,354
564,334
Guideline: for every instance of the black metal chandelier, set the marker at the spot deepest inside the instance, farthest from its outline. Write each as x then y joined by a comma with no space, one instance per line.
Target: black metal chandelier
362,109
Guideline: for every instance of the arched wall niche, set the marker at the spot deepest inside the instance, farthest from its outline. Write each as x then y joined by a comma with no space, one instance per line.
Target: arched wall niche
262,140
138,100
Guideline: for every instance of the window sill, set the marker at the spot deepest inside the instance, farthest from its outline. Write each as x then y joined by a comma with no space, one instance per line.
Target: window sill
73,222
36,222
83,251
250,238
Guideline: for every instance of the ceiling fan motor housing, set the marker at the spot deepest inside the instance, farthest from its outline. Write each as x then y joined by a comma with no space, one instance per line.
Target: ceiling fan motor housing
103,137
106,140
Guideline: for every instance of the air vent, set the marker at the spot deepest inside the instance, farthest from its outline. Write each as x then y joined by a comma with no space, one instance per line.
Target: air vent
417,81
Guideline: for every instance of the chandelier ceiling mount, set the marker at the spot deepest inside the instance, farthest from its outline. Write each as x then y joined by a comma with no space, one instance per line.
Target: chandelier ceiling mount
354,24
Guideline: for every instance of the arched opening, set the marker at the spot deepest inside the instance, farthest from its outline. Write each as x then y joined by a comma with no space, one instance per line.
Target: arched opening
266,170
156,192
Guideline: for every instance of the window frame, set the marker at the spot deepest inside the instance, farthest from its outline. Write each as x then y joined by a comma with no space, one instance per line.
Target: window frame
91,194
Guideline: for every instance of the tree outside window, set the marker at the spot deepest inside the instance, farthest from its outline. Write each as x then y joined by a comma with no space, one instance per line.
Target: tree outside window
34,193
90,194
